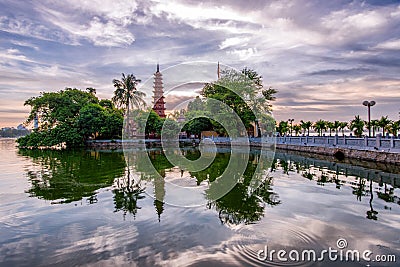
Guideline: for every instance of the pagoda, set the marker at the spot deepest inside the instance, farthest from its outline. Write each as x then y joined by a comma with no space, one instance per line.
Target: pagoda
158,98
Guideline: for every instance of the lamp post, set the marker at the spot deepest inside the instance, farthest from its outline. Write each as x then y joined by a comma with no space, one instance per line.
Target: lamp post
291,125
369,104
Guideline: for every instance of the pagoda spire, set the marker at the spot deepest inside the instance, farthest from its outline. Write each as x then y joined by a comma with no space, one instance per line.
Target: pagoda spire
218,71
158,97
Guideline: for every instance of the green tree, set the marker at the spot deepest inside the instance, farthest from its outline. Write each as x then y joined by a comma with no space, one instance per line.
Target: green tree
297,129
336,126
331,126
243,93
320,126
342,126
197,125
384,122
106,103
357,125
91,119
91,90
170,129
395,127
283,127
306,125
58,113
126,94
375,126
147,122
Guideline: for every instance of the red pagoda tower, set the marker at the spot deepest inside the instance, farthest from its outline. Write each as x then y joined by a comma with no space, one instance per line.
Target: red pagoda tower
158,98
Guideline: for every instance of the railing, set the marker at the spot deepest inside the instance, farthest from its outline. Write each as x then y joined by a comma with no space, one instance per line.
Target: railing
377,142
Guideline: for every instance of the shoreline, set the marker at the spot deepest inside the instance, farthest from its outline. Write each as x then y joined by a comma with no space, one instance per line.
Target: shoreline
343,152
338,152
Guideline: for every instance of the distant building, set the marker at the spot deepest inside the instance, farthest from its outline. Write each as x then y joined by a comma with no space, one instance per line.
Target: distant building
21,128
158,98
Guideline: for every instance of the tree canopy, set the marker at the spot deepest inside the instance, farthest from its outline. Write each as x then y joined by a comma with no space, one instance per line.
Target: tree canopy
70,117
240,93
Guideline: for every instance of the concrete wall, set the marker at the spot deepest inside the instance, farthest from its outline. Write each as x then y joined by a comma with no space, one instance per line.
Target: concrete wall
369,155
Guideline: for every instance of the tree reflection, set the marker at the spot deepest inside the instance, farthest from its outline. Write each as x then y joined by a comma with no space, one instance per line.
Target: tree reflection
126,195
387,195
66,176
359,189
326,171
244,203
371,214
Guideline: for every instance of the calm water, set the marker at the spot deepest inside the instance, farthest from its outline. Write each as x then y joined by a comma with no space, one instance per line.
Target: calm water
83,208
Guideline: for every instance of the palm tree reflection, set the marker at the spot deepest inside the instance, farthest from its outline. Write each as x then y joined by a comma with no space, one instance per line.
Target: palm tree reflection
126,195
371,214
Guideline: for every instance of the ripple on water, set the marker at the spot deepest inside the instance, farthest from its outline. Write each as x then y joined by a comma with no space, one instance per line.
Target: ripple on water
272,235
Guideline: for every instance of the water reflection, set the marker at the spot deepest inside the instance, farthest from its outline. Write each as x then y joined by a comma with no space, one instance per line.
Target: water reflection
361,179
66,176
126,195
244,203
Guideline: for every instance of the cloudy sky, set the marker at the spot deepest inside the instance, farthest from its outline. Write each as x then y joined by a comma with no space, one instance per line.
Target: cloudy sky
324,57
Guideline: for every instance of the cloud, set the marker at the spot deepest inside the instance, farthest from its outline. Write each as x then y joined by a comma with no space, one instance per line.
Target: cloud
99,31
393,44
343,72
11,55
234,41
30,28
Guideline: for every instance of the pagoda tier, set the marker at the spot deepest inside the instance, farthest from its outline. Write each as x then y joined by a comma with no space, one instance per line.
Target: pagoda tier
158,97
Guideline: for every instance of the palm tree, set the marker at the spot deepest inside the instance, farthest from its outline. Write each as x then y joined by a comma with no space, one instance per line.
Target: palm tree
283,127
297,129
126,94
357,124
374,126
306,125
336,126
395,127
319,126
342,126
331,126
384,123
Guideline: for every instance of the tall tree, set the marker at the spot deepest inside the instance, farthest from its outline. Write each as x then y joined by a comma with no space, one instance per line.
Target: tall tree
395,127
297,129
126,94
375,126
243,93
283,127
336,125
306,125
384,122
331,127
342,126
320,126
357,125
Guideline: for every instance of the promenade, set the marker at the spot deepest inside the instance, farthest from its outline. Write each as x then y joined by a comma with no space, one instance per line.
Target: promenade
378,143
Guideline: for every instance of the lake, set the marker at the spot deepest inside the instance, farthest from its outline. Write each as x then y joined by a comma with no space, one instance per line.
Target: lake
102,208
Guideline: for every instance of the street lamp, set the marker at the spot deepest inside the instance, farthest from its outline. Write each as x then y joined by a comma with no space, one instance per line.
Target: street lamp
369,104
291,125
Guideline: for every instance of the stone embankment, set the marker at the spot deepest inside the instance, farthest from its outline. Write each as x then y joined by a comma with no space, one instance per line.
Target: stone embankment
368,155
339,152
